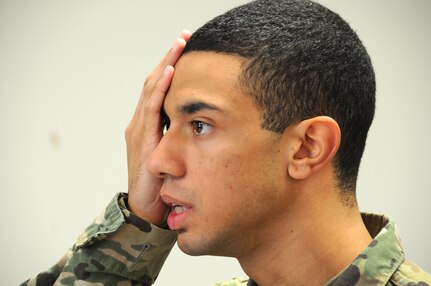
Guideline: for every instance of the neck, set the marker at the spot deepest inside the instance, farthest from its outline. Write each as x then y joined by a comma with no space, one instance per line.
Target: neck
319,235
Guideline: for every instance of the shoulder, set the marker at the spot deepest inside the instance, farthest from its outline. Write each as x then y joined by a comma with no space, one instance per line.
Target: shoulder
408,273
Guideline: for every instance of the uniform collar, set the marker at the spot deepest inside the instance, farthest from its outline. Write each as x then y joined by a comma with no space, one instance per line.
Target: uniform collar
379,260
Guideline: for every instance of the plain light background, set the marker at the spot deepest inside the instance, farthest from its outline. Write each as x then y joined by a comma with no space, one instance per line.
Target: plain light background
71,73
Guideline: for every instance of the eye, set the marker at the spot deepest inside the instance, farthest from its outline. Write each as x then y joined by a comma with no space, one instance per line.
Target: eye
200,128
165,129
165,125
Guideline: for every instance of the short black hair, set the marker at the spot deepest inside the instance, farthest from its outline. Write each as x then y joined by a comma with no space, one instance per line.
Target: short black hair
301,60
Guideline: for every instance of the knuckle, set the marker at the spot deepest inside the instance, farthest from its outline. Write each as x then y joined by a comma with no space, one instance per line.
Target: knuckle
149,83
152,106
149,107
159,85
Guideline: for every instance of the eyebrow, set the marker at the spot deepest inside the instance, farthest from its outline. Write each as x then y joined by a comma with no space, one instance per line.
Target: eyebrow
195,106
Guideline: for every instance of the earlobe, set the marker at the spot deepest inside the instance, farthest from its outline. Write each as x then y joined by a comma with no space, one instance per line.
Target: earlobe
314,143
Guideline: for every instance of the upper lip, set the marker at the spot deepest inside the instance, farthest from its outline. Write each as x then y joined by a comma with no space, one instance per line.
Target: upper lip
172,201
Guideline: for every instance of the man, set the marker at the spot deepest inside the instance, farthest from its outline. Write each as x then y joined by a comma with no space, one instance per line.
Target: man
246,142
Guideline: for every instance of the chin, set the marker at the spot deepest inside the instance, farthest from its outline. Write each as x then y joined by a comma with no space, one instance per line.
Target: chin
192,250
201,246
192,244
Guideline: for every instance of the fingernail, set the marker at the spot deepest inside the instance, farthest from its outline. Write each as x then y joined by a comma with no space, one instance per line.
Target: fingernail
168,69
178,41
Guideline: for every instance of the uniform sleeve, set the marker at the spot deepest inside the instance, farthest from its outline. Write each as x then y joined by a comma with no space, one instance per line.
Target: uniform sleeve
118,248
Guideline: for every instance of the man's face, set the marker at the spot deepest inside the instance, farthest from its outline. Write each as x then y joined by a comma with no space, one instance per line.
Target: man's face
221,170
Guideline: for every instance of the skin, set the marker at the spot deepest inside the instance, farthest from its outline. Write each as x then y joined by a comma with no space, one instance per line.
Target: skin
143,134
269,200
228,164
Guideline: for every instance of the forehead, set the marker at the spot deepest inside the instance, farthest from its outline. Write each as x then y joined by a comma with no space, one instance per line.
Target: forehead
209,77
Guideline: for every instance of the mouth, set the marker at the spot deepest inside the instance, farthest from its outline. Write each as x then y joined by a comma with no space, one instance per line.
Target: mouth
178,209
178,216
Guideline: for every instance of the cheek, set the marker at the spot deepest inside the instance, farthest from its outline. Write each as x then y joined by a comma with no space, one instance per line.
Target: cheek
233,173
234,178
219,179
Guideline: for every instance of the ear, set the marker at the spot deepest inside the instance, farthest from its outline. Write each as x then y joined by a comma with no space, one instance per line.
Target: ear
313,144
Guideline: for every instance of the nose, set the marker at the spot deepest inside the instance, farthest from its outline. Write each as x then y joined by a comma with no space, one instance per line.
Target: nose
166,160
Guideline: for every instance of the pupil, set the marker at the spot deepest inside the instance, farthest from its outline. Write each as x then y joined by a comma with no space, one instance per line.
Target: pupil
199,127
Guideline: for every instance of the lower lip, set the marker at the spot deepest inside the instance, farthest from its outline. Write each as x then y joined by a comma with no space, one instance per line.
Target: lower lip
176,221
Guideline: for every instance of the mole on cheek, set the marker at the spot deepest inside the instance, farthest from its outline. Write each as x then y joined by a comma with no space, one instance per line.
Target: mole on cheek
226,164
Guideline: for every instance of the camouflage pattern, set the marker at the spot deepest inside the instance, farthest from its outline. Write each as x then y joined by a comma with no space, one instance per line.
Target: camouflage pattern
383,261
117,249
120,249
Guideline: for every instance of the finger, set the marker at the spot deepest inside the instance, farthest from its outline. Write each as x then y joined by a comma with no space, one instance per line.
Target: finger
186,34
175,52
170,59
154,105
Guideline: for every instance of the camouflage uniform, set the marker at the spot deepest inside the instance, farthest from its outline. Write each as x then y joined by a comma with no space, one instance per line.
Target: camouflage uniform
121,249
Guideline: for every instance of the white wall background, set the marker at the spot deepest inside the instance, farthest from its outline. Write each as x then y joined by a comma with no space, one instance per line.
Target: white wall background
71,73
